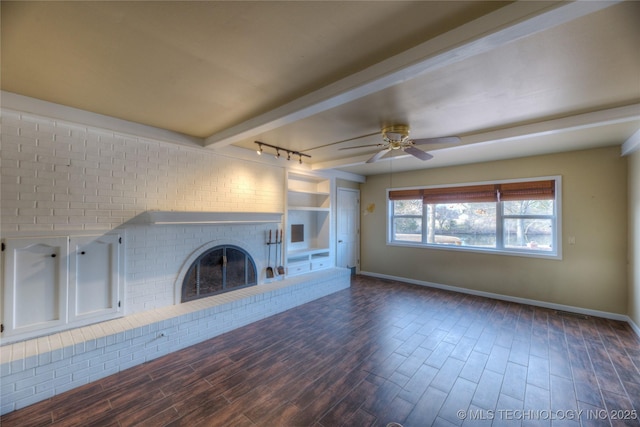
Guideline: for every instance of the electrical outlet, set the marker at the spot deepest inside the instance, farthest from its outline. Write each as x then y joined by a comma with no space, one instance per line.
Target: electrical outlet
572,240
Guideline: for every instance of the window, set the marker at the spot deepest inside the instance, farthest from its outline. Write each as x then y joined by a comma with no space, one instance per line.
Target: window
512,217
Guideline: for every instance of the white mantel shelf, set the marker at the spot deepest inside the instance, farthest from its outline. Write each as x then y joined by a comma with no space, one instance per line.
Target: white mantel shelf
176,217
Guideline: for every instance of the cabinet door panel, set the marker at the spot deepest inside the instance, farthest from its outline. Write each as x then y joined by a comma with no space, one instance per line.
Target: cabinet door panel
94,277
35,283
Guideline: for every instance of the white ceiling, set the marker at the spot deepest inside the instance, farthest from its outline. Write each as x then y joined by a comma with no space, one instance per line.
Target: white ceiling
511,79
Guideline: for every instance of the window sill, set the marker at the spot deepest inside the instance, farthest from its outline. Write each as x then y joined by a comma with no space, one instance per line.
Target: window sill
527,254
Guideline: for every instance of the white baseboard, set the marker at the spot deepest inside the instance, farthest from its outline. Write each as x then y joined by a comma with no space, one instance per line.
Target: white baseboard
550,305
635,327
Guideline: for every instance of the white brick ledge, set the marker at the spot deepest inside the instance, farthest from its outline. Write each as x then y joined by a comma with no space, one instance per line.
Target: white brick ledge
37,369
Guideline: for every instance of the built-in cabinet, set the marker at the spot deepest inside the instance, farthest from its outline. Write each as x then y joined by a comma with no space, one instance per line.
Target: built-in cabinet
35,284
94,277
308,217
53,283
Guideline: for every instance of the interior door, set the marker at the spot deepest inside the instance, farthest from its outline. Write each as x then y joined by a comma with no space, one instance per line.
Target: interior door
348,228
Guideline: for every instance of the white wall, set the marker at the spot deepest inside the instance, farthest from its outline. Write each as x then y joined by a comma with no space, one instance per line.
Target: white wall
61,178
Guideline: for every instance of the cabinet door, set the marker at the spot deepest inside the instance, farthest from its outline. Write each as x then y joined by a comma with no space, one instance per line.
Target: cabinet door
94,276
35,284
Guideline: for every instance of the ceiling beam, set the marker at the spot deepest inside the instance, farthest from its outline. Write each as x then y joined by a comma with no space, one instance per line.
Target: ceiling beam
624,114
632,144
628,113
512,22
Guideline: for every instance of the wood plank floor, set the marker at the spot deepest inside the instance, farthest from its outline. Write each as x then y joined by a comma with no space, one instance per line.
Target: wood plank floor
377,353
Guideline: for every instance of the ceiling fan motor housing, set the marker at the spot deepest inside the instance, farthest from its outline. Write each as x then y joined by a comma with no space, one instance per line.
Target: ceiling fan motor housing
395,133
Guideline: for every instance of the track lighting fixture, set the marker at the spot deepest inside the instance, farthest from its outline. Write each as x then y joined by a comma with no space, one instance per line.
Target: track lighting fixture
261,146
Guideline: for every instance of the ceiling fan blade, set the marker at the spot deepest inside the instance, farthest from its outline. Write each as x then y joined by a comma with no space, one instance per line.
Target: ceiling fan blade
378,155
439,140
418,153
361,146
341,141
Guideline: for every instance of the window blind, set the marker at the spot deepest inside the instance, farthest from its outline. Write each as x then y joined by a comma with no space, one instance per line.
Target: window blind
405,194
525,190
528,190
465,194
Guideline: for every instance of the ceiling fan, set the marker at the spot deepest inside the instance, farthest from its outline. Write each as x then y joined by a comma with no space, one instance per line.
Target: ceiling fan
396,137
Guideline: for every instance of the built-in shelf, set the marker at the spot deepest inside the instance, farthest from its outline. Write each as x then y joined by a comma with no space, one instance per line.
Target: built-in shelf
308,208
308,252
309,205
321,193
301,183
307,200
178,217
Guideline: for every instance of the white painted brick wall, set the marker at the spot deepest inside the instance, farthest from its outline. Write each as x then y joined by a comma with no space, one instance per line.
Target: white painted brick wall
99,180
59,177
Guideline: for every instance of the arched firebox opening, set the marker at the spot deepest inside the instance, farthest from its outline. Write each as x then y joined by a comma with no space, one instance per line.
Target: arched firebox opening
220,269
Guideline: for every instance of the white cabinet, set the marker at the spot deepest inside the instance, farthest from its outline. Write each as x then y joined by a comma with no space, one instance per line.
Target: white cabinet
55,283
35,284
94,278
309,219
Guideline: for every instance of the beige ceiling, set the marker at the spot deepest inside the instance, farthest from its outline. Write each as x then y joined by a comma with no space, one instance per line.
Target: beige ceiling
510,79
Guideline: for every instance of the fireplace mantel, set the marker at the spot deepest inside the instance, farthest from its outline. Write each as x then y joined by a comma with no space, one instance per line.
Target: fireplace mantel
179,217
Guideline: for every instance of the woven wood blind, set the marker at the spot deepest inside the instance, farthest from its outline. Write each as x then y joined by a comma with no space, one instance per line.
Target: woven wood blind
405,194
530,190
466,194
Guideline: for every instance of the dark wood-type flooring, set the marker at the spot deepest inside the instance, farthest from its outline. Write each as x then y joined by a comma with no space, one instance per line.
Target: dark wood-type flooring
378,353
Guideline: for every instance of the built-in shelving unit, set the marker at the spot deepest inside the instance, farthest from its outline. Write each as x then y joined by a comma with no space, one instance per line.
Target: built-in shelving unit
308,232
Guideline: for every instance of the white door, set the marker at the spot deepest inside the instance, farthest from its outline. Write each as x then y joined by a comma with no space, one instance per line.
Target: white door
348,228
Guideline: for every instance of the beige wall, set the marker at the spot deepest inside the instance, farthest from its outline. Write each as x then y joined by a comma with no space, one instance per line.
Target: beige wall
634,237
343,183
592,273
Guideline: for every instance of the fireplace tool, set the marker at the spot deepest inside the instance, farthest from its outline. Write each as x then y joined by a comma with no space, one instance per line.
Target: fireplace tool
269,268
280,267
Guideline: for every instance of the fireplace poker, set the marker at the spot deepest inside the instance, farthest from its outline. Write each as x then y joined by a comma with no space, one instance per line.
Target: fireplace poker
269,269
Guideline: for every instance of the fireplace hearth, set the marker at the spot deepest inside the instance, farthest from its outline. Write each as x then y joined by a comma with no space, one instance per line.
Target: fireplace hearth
220,269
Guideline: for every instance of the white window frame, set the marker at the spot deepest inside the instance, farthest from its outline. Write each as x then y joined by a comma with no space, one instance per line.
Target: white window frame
500,217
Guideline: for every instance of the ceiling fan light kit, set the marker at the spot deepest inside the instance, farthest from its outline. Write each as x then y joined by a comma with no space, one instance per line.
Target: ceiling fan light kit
396,137
395,134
